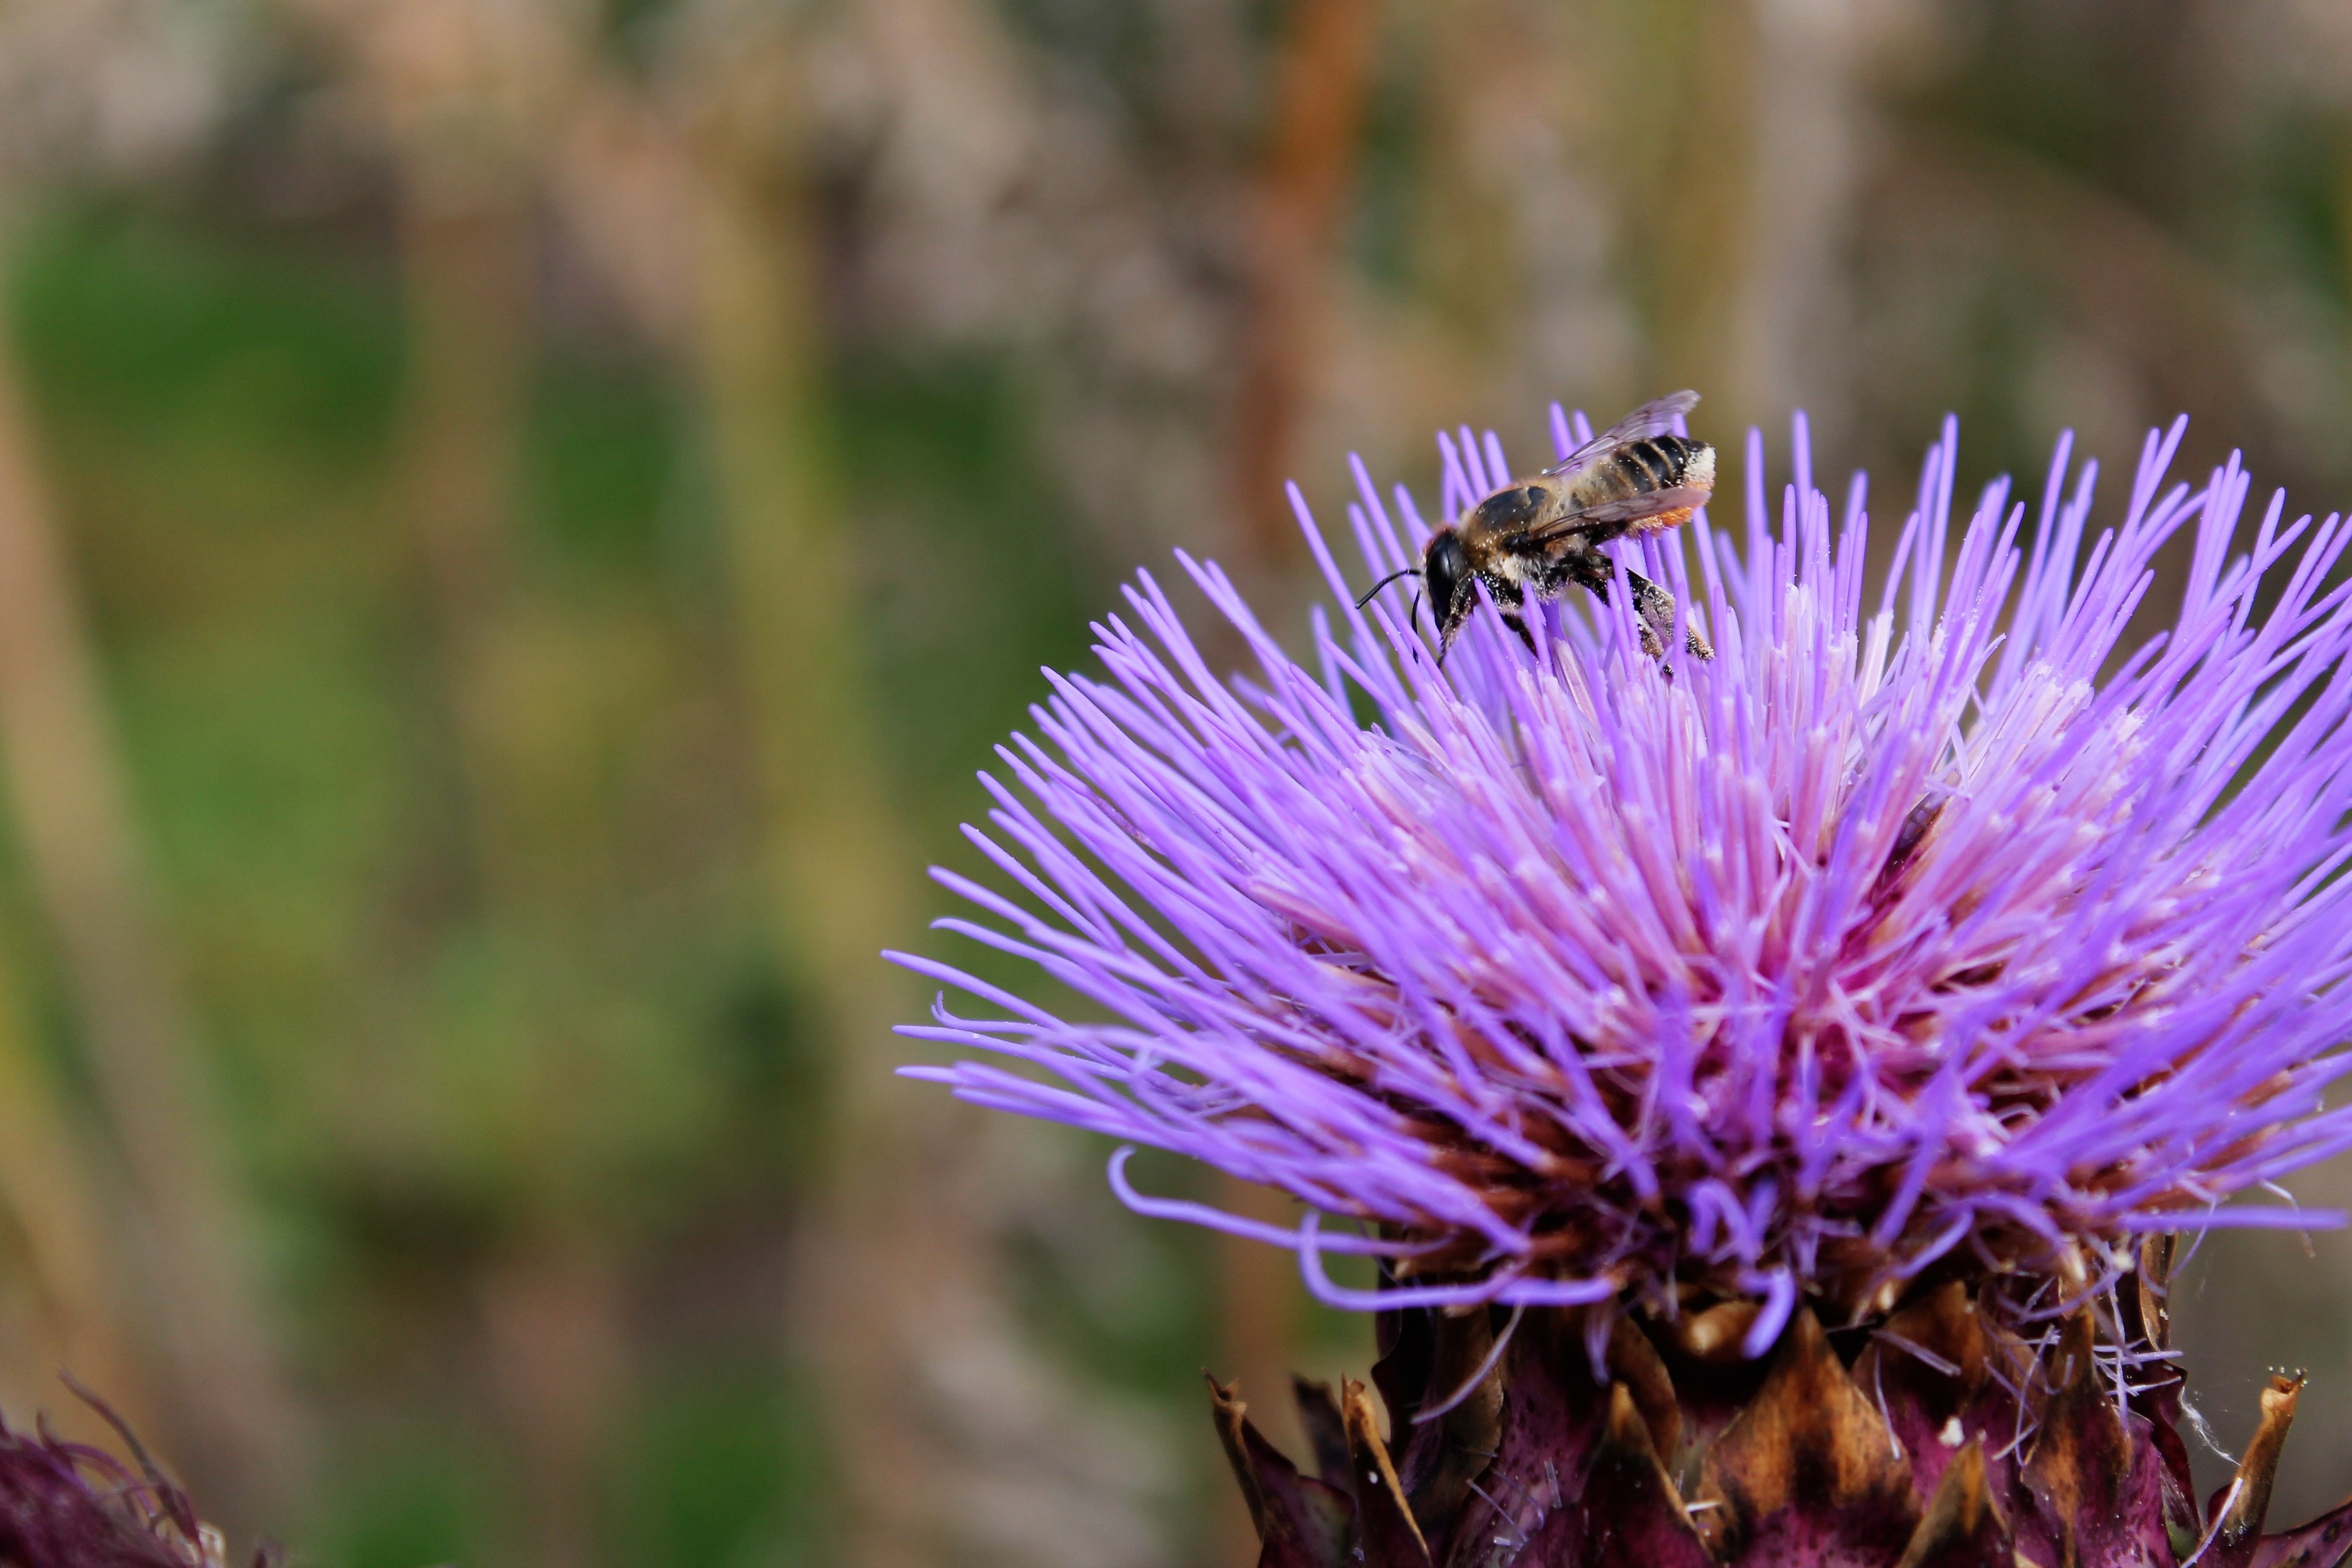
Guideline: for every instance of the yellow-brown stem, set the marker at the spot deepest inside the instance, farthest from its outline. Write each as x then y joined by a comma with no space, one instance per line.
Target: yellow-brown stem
883,1253
232,1417
1320,83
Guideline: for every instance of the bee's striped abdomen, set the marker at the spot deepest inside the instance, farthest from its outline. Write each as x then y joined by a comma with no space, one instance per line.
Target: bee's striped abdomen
1659,463
1677,471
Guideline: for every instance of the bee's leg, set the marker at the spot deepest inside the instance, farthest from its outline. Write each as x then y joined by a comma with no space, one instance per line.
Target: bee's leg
1595,570
1655,607
1510,602
1588,568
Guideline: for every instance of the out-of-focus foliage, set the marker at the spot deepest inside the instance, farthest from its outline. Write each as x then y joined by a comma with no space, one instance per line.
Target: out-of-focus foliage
446,750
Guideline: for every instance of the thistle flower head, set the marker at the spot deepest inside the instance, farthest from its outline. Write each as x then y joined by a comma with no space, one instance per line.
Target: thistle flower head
68,1505
1934,919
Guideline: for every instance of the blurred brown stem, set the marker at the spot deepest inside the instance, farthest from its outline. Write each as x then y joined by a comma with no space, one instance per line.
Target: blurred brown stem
232,1416
551,1302
1321,82
1257,1299
876,1255
56,1198
1687,187
466,260
559,1352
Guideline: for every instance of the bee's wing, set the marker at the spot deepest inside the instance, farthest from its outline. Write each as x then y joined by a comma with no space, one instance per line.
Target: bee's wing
1653,418
1621,510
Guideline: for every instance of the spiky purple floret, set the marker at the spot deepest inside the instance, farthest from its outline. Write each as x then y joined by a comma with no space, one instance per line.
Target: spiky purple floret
1925,924
67,1505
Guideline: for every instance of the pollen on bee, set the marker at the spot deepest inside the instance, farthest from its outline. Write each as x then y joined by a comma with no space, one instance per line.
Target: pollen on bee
1661,522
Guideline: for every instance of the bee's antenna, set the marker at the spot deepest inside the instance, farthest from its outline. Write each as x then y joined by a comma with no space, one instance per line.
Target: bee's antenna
1407,572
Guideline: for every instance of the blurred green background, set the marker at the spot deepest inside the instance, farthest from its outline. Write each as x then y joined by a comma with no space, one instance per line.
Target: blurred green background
520,518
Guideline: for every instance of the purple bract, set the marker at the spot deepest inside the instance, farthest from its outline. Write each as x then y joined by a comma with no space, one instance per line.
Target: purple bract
68,1505
1934,920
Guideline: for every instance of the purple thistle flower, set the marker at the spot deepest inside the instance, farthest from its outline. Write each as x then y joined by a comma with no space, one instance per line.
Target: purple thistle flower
68,1505
1933,921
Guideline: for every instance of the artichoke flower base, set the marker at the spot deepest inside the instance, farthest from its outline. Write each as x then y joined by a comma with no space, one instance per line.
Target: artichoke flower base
1934,1437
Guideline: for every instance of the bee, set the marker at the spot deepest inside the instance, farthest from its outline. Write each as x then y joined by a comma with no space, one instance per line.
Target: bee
1540,535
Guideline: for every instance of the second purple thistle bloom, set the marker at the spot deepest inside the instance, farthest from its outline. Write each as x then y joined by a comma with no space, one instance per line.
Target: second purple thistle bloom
1945,916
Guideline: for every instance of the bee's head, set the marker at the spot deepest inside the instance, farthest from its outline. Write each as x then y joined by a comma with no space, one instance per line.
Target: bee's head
1445,573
